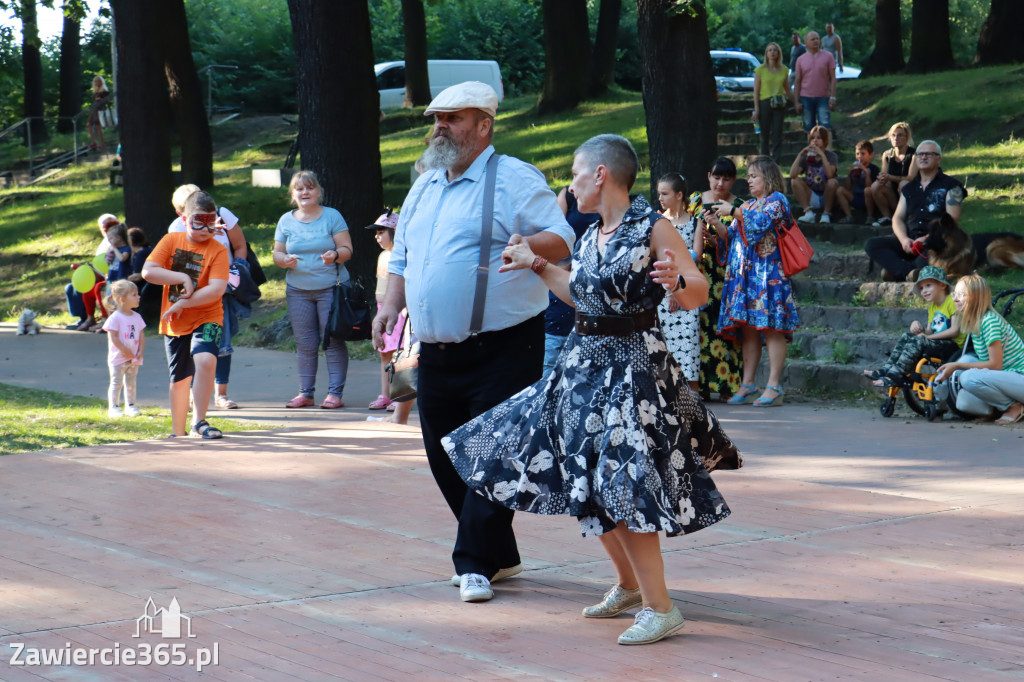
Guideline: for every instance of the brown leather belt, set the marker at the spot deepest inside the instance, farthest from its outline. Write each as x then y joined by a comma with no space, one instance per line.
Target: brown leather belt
615,325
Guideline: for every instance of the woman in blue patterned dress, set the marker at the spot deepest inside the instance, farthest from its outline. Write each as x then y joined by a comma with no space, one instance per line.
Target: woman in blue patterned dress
758,297
612,435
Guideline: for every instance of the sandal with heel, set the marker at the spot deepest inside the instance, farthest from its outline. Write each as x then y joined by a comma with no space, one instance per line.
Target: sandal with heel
770,402
738,399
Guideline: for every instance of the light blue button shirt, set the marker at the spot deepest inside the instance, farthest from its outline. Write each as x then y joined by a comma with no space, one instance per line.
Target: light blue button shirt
437,248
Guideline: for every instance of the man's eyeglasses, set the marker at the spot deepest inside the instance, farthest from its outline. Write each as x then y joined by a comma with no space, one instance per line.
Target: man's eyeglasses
204,221
928,154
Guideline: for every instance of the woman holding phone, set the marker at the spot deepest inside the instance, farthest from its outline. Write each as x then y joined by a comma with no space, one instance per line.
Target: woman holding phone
758,297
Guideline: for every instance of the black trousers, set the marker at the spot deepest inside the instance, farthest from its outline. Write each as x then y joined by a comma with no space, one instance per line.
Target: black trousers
457,382
889,254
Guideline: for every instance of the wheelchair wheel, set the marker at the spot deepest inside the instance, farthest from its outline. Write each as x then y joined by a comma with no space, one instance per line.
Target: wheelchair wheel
888,407
931,411
914,401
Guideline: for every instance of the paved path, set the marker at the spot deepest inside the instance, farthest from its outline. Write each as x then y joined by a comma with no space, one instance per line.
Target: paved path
860,548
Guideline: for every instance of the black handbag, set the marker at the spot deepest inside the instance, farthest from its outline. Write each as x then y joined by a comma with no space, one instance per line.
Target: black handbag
403,370
351,316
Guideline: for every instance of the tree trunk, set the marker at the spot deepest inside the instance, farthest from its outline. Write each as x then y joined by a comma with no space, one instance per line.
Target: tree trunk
930,46
143,113
887,57
602,60
417,80
678,90
997,43
70,75
32,66
566,55
339,109
186,96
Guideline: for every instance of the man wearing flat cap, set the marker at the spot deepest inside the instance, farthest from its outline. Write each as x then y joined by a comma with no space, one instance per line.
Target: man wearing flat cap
481,331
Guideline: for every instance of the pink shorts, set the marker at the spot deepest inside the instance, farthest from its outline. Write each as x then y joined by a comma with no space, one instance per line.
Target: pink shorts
391,341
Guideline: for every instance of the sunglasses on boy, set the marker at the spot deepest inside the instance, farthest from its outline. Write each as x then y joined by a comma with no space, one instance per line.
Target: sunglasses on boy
204,221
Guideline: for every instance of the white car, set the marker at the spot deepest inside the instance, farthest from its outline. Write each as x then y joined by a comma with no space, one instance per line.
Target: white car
442,73
847,72
734,70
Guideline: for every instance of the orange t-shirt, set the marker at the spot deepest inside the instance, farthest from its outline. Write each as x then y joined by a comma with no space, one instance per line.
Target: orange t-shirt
203,262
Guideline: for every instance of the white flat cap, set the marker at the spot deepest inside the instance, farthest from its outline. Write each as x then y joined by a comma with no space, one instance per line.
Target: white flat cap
468,95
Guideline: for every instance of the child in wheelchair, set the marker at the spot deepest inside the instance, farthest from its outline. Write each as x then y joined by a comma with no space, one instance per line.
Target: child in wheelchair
939,337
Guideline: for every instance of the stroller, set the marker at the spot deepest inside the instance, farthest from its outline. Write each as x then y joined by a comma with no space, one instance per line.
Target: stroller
918,387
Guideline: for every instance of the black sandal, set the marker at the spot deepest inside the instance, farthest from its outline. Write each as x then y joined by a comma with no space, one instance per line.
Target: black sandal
205,431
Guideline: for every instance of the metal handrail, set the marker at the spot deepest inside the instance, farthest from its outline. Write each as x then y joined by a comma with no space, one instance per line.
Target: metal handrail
28,133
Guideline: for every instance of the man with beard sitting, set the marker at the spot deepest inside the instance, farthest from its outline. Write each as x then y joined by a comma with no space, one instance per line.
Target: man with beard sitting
481,332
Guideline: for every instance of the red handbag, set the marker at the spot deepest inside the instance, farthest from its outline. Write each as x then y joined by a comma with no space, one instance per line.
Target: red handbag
796,251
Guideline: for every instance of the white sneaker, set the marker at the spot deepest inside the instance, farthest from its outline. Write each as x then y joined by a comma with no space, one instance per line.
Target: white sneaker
651,626
115,412
807,217
475,587
132,411
502,574
826,218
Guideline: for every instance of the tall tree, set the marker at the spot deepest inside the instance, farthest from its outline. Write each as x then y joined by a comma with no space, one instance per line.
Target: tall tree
602,60
997,43
566,55
32,64
417,79
186,95
70,66
339,109
887,57
930,46
678,89
143,113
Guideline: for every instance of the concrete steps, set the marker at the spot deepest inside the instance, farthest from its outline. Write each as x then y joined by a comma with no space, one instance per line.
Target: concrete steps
858,318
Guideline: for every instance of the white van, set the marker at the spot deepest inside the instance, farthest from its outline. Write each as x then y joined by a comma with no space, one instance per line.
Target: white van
442,72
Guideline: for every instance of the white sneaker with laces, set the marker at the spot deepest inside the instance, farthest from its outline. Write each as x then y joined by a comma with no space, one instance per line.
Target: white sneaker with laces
616,600
651,626
115,412
502,574
475,588
826,218
132,411
807,217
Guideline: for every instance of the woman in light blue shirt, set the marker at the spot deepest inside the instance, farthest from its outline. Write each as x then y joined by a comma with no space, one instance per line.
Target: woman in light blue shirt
312,243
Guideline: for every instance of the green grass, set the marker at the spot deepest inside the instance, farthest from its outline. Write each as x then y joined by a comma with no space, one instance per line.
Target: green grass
33,420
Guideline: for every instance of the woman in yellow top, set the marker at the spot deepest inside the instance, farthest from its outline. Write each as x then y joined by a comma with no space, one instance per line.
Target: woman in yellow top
771,94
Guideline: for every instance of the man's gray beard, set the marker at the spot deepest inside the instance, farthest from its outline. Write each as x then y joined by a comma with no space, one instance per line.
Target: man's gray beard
443,154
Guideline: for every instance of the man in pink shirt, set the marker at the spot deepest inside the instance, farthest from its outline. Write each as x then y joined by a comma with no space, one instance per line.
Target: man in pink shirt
815,84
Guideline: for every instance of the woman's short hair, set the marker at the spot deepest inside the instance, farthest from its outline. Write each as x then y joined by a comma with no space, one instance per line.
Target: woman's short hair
771,173
723,167
821,131
978,302
180,195
906,127
199,202
770,46
303,178
615,153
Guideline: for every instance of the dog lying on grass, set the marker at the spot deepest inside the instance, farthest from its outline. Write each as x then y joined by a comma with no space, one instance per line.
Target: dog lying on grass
959,253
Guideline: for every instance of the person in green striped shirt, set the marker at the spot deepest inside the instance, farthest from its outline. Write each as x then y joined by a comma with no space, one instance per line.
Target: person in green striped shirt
993,380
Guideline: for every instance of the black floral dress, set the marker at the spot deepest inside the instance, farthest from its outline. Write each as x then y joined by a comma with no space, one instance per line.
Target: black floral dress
612,433
721,359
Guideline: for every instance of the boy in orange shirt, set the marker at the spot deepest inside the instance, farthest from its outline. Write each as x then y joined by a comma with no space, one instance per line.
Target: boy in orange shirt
193,269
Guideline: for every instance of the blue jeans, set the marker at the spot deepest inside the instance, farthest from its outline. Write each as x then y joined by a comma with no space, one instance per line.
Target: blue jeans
552,347
991,388
816,112
76,306
308,310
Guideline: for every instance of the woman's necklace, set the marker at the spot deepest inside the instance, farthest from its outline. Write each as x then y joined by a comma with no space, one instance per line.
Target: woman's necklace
615,227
